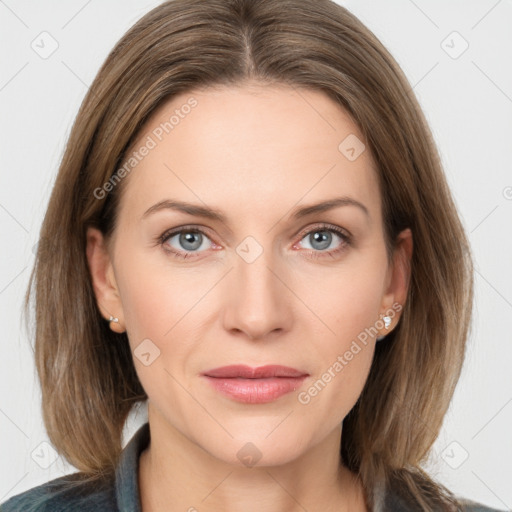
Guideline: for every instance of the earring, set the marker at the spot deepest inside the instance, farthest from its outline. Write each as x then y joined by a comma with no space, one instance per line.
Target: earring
387,323
115,325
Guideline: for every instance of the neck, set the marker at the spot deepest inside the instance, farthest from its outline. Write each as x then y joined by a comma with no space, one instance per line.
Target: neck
175,473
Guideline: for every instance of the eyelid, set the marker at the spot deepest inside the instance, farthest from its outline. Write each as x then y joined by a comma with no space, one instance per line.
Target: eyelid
323,226
189,228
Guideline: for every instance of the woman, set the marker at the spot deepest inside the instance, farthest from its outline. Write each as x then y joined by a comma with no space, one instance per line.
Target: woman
289,355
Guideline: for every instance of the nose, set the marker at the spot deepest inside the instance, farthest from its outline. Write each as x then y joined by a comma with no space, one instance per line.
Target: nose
258,301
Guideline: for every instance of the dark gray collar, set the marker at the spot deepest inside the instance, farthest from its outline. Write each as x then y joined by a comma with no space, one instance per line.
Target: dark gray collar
127,484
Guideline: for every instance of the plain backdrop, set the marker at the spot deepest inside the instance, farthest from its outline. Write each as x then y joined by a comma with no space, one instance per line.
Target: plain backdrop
457,56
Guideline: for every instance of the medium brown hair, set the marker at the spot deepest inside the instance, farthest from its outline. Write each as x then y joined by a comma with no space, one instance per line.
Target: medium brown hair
88,380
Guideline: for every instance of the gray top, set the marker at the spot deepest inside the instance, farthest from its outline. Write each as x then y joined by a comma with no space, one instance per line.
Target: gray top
122,494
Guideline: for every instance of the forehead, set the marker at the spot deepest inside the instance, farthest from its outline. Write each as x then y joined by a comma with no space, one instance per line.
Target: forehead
251,149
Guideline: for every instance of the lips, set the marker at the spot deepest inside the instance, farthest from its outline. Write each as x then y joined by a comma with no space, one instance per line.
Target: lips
255,385
247,372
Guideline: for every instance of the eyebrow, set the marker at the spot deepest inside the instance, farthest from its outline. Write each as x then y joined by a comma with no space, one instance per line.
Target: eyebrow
217,215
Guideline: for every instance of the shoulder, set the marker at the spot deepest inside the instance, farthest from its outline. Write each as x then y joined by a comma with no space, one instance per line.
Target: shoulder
62,494
395,503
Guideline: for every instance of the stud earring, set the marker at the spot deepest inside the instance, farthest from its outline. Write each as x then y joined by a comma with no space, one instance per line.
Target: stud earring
387,322
115,325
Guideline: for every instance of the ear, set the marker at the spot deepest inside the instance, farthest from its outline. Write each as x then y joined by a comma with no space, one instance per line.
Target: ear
399,275
102,274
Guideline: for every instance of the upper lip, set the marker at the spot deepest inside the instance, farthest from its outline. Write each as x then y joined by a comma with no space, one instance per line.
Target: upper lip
247,372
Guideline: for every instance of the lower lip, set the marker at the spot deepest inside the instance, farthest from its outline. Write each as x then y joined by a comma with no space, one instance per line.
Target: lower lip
256,391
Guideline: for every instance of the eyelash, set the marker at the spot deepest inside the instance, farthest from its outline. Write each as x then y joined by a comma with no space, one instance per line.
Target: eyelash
315,254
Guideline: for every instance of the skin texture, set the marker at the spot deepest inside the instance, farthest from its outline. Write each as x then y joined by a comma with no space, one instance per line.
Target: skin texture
255,153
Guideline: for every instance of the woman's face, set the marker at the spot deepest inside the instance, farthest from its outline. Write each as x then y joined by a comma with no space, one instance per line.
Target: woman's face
270,284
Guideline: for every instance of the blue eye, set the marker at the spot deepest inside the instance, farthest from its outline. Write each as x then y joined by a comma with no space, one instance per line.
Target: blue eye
321,237
187,239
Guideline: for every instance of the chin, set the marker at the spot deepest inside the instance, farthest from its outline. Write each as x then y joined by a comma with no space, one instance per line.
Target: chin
258,450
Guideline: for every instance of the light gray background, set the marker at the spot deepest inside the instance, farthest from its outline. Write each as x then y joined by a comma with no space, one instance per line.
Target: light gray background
468,102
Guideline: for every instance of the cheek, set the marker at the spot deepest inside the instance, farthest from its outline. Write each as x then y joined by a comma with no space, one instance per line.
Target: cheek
347,305
344,362
156,297
158,307
348,299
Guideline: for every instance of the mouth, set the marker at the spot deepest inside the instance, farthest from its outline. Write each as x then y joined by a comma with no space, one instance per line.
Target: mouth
255,385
